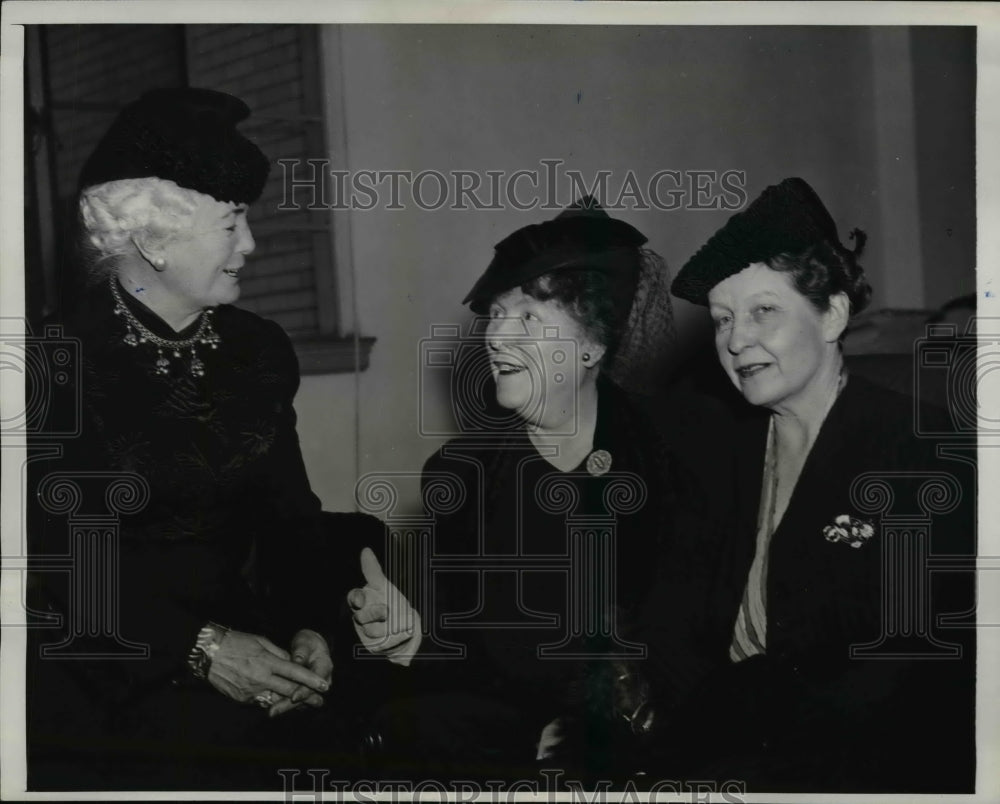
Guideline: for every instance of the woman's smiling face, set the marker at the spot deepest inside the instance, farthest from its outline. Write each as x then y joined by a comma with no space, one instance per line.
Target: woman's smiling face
535,350
771,341
203,264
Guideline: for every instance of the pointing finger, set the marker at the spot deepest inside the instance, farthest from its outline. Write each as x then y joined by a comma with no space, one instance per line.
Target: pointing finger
372,570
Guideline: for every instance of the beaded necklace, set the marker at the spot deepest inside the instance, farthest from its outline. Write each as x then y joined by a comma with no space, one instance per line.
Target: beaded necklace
137,334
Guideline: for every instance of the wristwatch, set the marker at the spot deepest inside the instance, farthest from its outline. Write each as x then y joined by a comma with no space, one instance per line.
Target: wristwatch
207,645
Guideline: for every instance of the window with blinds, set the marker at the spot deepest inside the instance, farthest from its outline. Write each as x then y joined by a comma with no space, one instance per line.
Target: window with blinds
86,73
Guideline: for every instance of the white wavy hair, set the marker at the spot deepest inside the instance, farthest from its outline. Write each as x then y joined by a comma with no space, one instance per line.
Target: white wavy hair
149,211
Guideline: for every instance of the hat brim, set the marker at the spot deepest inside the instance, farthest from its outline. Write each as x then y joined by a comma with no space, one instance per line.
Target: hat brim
495,282
785,218
577,239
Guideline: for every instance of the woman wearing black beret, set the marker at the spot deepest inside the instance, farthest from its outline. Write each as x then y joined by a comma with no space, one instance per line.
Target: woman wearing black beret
227,575
577,313
798,649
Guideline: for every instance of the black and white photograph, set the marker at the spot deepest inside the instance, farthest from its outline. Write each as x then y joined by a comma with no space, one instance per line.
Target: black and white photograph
557,400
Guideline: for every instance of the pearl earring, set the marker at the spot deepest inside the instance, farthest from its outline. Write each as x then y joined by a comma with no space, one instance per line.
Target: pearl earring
586,357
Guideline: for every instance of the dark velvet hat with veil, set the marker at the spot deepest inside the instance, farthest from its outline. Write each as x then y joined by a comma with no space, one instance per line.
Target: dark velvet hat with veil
187,136
786,218
582,236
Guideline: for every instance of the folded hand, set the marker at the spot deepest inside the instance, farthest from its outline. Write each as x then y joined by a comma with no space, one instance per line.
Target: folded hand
248,665
309,650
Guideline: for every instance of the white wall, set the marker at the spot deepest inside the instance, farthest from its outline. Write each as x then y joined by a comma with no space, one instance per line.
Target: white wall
770,102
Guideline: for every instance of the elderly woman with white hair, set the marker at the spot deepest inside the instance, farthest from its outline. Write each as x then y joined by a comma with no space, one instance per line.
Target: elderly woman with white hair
228,574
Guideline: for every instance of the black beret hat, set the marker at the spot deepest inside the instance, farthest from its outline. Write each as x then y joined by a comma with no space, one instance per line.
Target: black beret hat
786,218
582,236
185,135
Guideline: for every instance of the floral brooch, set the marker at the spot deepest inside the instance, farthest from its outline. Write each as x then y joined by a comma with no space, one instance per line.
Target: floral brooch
845,528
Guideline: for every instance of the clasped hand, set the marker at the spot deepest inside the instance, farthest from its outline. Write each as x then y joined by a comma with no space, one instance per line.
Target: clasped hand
248,665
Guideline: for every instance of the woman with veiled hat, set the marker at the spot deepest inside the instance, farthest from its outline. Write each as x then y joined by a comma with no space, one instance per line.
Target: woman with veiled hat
799,649
224,576
543,600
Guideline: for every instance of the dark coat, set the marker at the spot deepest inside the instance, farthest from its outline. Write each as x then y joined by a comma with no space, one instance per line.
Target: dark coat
808,716
231,533
481,714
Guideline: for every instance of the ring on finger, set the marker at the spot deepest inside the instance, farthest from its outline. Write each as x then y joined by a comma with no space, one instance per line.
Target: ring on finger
265,698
